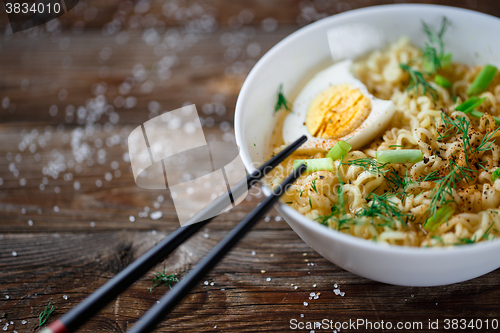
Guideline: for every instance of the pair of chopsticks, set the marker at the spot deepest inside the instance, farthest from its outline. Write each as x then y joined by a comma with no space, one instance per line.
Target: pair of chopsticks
70,321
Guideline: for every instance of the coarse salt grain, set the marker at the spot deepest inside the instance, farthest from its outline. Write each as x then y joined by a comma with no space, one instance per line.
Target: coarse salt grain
131,218
205,283
24,322
30,223
268,279
14,253
306,304
254,253
156,215
65,296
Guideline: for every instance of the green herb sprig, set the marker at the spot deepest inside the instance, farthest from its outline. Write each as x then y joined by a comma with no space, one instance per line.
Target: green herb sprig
399,185
434,57
417,82
313,185
282,101
433,176
44,315
385,210
163,277
338,213
368,164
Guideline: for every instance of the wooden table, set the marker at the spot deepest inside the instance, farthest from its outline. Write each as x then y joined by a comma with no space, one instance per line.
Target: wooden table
65,226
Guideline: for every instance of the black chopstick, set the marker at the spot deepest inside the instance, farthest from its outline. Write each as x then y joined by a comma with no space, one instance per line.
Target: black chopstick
148,322
75,317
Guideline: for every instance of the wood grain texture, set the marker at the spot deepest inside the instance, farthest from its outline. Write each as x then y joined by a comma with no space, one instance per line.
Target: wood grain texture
63,254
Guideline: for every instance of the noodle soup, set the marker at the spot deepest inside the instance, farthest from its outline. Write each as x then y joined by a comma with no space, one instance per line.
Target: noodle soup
449,197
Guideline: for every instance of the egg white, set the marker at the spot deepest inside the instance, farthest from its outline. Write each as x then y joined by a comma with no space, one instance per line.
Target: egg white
339,73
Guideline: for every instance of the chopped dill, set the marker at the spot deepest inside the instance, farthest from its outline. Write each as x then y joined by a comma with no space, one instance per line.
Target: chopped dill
417,80
289,202
486,143
44,315
461,125
163,277
488,230
433,176
396,146
310,204
467,240
382,207
397,183
338,213
438,238
301,192
443,193
434,57
313,185
369,164
282,101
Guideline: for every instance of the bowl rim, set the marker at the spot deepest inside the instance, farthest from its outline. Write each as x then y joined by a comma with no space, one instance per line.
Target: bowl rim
307,222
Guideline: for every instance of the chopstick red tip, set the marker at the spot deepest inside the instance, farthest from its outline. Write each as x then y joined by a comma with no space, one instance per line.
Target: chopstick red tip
56,327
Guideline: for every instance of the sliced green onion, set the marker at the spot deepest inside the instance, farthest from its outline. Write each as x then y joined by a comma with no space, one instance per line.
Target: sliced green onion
479,114
482,80
442,215
316,164
338,151
496,174
442,81
400,156
470,104
446,60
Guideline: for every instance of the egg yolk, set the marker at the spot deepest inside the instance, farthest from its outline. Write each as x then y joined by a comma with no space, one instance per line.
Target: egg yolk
337,111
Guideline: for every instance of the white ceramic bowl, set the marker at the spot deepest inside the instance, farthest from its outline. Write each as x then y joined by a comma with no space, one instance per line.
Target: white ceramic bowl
472,39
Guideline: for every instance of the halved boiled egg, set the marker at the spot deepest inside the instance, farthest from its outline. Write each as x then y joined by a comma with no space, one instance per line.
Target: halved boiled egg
334,106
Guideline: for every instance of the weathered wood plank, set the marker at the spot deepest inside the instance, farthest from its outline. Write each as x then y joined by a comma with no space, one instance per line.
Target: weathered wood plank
50,266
